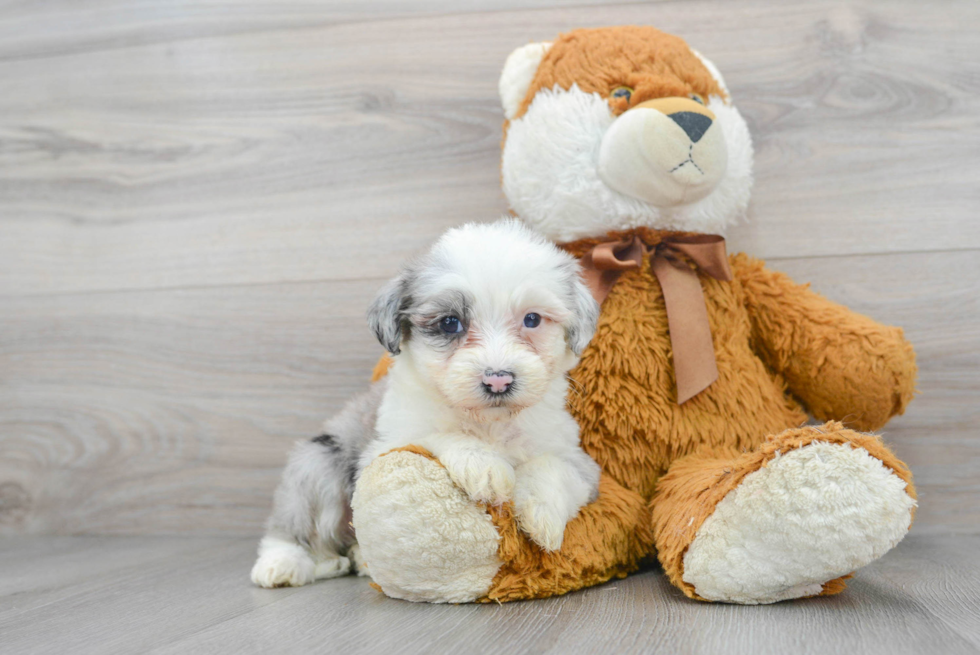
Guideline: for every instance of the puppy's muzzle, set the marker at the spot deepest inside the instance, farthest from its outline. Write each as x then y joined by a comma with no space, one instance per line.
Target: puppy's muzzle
668,152
497,383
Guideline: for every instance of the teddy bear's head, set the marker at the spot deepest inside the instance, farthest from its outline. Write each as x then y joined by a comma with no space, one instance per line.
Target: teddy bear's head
617,128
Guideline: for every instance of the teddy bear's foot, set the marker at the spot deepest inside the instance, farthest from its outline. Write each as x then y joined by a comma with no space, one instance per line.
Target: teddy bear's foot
809,516
788,521
421,538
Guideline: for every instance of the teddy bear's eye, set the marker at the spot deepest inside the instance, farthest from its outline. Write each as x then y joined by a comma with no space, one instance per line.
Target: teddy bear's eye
622,92
698,99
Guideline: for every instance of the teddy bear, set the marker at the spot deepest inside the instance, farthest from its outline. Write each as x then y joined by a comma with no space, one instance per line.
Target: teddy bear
696,394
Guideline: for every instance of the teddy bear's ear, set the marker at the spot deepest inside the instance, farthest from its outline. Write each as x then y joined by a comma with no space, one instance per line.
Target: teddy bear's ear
518,73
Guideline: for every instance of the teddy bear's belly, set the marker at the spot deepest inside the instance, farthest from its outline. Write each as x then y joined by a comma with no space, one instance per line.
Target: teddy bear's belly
626,401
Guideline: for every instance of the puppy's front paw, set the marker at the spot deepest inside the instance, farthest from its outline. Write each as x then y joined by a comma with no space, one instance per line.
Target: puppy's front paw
484,477
542,521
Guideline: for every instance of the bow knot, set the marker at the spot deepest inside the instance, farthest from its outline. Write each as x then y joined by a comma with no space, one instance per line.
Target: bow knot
674,261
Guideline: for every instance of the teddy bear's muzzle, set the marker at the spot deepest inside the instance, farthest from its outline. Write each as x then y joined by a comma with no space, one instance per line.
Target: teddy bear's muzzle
668,152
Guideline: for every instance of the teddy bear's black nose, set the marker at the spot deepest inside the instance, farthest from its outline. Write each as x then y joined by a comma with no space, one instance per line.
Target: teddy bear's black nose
693,123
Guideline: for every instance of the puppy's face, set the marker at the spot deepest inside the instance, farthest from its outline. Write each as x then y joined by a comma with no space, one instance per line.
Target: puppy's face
490,317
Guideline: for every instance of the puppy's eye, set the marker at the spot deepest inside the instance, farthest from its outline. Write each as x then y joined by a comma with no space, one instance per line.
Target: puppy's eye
622,92
698,99
450,325
532,320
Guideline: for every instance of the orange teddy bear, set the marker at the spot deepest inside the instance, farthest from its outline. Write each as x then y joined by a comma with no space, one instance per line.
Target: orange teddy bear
623,146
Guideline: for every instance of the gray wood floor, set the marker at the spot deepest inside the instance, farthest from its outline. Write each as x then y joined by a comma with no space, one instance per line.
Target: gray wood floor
192,595
198,199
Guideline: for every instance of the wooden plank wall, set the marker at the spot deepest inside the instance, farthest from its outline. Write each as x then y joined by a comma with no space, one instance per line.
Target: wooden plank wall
198,200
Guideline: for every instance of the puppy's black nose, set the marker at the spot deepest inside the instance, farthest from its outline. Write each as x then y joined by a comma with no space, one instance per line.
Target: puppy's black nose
497,381
693,123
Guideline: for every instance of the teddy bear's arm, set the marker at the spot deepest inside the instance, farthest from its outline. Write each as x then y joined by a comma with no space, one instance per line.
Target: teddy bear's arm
840,364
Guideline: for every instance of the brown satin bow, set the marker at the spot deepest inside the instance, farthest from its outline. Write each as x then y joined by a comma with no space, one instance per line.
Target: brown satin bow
687,317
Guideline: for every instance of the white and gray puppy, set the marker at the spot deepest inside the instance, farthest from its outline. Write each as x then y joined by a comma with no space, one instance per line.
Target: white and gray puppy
484,329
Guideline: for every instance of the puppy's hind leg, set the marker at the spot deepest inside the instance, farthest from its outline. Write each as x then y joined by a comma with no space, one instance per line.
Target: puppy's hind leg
282,563
333,532
308,528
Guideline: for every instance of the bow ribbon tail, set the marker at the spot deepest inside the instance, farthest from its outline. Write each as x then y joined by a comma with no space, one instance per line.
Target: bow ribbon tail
690,332
695,368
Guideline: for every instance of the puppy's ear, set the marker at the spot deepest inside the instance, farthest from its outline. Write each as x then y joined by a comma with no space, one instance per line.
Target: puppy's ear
518,73
387,313
585,314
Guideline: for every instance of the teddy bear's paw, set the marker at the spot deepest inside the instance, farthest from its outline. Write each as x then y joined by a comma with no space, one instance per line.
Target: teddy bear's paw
282,563
542,521
484,476
422,537
808,517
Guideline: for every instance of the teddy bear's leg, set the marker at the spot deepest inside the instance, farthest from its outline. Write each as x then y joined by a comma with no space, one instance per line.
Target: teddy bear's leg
422,539
789,520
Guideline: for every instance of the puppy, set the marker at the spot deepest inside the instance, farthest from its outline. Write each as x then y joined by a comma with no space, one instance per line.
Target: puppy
483,330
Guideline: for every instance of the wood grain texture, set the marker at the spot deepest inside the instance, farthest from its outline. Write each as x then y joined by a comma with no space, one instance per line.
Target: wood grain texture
198,200
63,27
303,153
170,410
192,595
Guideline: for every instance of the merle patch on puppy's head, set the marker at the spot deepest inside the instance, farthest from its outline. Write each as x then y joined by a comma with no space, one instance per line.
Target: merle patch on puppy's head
490,315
